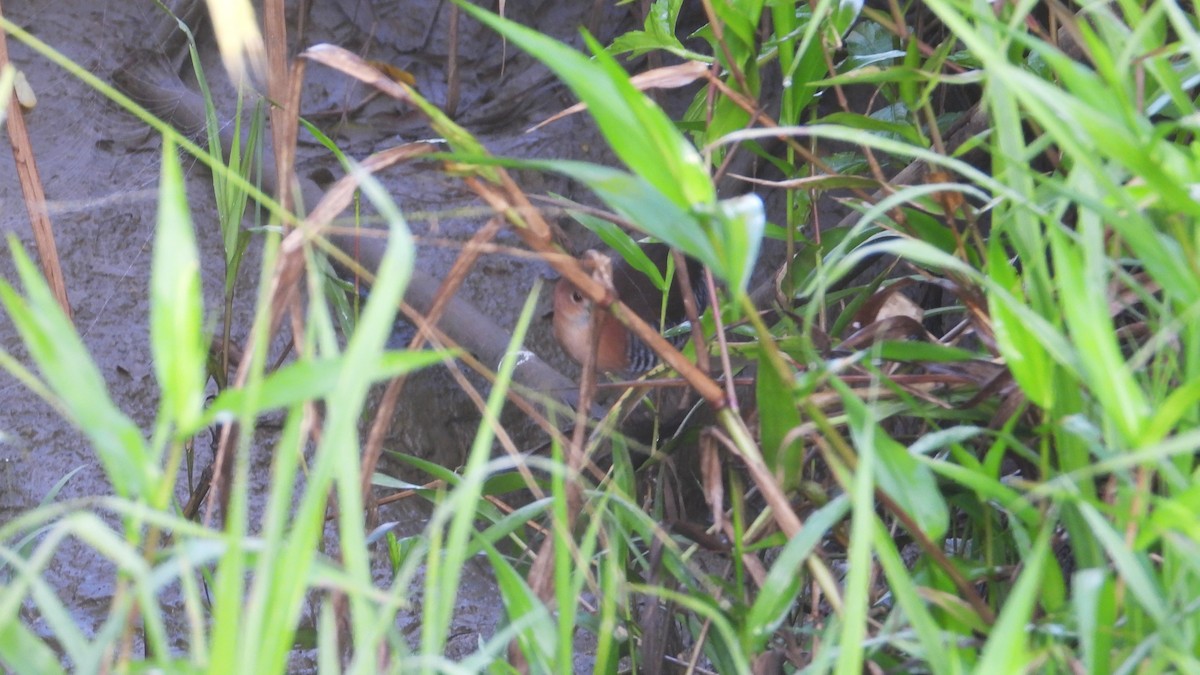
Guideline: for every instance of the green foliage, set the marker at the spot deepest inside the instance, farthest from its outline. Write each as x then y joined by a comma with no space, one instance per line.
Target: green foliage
670,195
978,456
176,320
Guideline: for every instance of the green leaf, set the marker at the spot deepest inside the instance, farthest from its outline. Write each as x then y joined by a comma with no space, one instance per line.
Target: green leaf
1023,352
904,130
976,480
785,579
804,63
1007,649
638,131
711,120
658,32
903,584
624,245
931,231
505,524
22,650
1093,598
1082,283
740,17
924,352
740,222
907,87
777,417
903,477
1168,412
315,378
636,200
537,637
176,302
1134,568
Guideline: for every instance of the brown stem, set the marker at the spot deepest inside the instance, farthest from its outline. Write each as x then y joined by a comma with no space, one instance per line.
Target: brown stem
34,194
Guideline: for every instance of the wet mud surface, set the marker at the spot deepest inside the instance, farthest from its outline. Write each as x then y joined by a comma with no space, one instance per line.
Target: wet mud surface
100,171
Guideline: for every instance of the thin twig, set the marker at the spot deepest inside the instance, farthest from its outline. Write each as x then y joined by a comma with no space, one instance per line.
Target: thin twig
34,194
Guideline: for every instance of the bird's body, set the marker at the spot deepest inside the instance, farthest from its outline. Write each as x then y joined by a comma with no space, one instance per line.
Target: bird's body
617,350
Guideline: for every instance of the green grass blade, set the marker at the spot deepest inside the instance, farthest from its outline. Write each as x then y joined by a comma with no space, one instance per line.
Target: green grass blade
1007,648
456,513
176,305
316,378
785,579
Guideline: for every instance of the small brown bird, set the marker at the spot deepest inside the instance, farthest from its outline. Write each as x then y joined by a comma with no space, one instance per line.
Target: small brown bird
618,351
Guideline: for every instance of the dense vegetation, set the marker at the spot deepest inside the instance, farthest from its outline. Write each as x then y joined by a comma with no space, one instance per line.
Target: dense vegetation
966,431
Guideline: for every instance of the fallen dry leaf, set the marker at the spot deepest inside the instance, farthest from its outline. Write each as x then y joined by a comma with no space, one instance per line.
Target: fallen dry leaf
667,77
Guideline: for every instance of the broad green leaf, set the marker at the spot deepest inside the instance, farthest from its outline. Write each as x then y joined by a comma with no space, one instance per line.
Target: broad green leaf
934,637
844,15
979,482
1023,352
931,230
739,17
1176,406
777,417
925,352
634,199
907,87
726,237
507,523
712,120
1085,309
1134,567
739,225
23,651
807,63
904,130
658,32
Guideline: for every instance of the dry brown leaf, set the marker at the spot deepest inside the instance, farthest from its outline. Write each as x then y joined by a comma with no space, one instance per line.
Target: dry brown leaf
819,182
888,302
898,304
894,328
667,77
355,66
714,485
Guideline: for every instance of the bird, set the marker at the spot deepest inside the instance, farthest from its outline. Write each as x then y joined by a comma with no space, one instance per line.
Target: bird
618,351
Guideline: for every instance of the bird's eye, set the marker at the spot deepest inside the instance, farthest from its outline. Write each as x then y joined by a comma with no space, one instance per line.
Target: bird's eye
577,297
